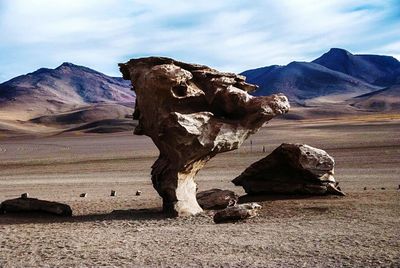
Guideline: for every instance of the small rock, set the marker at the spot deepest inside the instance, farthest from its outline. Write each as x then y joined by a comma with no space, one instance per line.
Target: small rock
365,188
25,195
83,195
138,192
236,213
216,199
398,187
383,188
35,205
113,193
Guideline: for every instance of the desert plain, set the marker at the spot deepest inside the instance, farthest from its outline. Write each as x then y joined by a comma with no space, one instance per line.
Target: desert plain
361,229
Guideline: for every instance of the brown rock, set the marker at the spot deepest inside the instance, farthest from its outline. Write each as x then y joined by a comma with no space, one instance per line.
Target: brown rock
291,169
35,205
236,213
216,199
192,112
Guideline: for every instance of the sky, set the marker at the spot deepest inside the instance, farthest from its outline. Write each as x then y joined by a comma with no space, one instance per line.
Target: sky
230,35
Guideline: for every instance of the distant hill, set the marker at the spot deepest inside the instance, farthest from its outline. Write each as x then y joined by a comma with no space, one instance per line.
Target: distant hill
334,78
374,69
387,99
301,81
69,86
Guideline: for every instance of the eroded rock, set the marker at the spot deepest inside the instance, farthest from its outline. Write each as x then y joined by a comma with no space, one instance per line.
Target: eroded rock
291,169
237,213
192,112
216,199
35,205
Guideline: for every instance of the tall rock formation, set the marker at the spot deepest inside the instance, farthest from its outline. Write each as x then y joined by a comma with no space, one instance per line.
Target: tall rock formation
192,112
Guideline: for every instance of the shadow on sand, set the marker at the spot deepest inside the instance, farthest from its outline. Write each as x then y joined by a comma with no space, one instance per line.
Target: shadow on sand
40,217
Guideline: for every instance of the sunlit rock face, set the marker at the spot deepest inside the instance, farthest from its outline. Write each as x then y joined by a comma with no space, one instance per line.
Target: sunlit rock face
192,112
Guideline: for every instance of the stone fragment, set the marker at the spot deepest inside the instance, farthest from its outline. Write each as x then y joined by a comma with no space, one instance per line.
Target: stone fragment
216,199
25,195
138,192
113,193
291,169
192,112
35,205
83,195
237,213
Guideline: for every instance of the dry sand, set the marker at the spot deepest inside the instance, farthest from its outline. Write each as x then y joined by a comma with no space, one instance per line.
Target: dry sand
359,230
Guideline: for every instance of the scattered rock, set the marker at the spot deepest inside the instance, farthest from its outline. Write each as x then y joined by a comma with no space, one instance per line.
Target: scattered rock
25,195
83,195
216,199
383,188
365,188
113,193
237,213
398,188
291,169
192,113
35,205
138,193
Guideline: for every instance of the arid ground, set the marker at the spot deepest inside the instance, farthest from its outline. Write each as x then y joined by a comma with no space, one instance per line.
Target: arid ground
359,230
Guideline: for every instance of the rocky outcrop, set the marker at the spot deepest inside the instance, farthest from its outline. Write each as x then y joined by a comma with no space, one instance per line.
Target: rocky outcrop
35,205
192,112
216,199
237,213
291,169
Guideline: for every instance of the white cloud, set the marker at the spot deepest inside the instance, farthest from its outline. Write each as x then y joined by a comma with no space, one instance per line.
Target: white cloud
230,35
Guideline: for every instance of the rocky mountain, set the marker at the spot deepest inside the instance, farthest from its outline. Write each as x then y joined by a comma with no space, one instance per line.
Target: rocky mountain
48,91
374,69
67,96
301,81
336,76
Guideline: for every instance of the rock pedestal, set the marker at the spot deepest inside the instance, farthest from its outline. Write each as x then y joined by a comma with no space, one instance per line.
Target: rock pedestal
291,169
192,112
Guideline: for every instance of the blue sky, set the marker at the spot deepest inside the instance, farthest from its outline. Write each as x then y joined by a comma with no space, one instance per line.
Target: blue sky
229,35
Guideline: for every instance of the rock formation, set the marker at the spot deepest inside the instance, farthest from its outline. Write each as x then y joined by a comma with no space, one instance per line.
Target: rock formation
216,199
192,112
35,205
291,169
236,213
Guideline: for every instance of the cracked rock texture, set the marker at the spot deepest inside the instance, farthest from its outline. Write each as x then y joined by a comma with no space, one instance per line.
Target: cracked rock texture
192,112
291,169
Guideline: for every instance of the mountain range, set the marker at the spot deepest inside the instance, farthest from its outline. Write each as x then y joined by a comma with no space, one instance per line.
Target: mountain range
68,96
76,98
337,76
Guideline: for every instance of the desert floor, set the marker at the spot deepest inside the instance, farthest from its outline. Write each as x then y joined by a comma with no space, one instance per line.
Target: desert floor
359,230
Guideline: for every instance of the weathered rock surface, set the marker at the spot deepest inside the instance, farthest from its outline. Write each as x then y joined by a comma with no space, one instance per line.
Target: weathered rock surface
236,213
35,205
216,199
192,112
291,169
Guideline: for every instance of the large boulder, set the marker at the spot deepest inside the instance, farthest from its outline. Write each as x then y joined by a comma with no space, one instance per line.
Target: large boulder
291,169
35,205
192,112
216,199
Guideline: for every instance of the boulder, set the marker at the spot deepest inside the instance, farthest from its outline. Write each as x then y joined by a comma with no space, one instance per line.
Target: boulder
291,169
35,205
237,213
216,199
192,112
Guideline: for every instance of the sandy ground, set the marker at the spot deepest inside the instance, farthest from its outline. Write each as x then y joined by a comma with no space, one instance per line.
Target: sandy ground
359,230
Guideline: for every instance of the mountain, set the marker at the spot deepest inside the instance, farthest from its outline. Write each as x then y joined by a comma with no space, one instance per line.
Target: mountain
374,69
387,99
301,81
69,86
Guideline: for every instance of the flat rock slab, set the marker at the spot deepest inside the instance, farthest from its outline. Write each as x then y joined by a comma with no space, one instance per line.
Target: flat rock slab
291,169
216,199
237,213
35,205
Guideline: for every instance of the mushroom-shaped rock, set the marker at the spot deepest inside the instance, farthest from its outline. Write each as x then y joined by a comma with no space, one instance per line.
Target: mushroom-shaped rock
291,169
192,112
216,199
